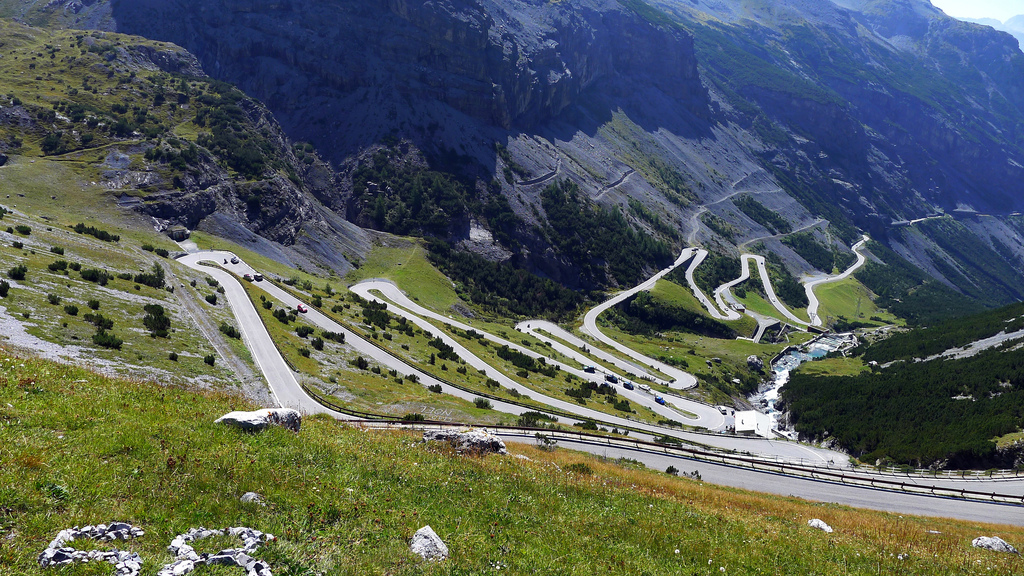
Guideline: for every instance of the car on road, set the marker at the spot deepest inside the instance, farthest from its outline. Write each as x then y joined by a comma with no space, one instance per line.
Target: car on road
302,308
645,387
590,369
234,259
612,378
257,277
247,277
659,400
627,384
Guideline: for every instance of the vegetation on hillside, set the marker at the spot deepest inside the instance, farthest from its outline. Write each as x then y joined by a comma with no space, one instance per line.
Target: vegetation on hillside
597,238
74,91
943,412
822,257
757,212
501,288
645,315
908,292
959,332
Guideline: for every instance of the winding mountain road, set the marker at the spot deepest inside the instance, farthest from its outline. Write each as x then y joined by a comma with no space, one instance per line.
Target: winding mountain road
681,380
288,393
809,285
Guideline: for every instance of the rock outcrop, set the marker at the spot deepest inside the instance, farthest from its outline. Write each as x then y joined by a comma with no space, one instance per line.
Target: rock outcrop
428,545
260,419
475,441
994,543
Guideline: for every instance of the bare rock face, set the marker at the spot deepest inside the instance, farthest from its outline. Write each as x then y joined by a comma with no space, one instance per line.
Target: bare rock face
755,362
428,544
348,67
994,543
261,419
474,441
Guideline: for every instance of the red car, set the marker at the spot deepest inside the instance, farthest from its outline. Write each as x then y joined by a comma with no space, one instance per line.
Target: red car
247,277
302,309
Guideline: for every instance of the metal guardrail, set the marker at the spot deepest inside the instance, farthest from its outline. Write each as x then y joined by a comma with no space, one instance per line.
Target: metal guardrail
811,473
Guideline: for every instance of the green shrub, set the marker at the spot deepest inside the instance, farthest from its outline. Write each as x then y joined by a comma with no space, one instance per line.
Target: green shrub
96,233
17,245
318,344
147,247
212,299
75,266
482,403
57,250
156,321
303,331
209,359
230,331
435,388
173,356
162,253
58,266
93,275
4,288
93,304
304,352
53,299
106,340
18,272
23,230
71,310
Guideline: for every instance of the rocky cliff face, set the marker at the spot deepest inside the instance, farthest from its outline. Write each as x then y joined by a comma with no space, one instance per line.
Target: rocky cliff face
328,64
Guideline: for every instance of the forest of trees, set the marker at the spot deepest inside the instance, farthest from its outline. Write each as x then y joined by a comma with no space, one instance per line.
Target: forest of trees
942,411
592,236
644,314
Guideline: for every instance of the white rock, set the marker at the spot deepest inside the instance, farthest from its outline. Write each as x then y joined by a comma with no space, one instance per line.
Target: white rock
259,419
476,440
428,544
994,543
252,498
820,525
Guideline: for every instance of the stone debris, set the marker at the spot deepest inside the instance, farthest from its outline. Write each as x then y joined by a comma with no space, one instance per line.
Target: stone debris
188,559
259,419
477,440
428,544
59,553
252,498
755,362
995,544
820,525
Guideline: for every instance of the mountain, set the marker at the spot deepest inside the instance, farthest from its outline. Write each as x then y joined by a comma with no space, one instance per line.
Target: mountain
1014,26
837,115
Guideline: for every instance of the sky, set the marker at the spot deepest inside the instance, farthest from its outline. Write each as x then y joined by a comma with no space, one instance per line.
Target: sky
1001,10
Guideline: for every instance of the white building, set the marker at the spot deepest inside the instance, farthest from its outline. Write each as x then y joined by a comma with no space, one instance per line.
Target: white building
753,423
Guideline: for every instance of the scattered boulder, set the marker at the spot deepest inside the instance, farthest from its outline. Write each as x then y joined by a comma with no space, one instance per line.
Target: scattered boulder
478,441
995,544
3,159
252,498
259,419
428,544
755,362
820,525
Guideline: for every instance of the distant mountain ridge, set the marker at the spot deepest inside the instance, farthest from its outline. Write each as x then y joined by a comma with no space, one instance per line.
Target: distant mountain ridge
1014,26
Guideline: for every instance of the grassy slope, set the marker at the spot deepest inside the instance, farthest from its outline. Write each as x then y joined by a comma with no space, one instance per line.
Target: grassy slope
81,449
852,300
672,293
121,300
